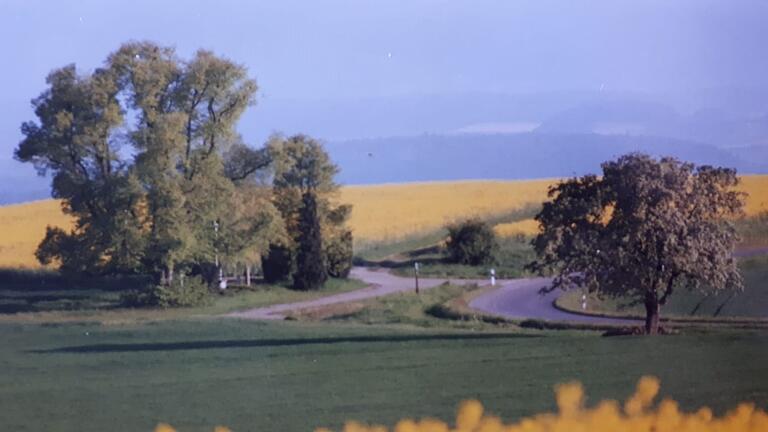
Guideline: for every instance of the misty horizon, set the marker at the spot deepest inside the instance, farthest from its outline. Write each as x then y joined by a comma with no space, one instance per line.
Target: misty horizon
346,71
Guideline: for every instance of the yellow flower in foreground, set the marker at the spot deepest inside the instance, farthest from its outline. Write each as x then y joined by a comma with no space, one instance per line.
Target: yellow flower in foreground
470,413
569,398
163,427
638,416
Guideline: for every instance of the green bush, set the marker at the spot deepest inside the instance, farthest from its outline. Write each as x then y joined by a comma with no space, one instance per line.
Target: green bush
338,255
186,292
471,242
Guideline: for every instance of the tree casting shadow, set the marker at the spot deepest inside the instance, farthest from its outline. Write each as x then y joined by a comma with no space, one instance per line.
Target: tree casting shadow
258,343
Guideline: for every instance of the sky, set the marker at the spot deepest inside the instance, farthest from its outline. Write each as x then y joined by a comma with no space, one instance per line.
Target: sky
304,51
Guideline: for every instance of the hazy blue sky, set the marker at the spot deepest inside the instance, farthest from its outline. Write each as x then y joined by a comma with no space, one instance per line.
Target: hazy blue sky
357,49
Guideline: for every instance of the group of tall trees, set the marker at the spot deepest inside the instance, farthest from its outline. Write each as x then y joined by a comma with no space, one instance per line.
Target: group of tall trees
144,154
316,241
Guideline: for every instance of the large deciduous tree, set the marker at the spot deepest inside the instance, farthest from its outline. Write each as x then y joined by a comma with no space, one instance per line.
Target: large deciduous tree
643,230
138,151
75,139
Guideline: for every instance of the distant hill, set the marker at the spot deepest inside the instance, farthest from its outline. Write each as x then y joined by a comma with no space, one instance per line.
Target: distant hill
492,136
712,125
515,156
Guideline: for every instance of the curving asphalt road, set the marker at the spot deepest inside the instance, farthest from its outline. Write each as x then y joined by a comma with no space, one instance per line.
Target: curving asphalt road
520,299
516,298
380,283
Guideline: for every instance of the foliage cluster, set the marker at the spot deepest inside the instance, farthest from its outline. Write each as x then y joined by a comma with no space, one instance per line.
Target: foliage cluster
181,292
472,242
317,242
642,230
145,158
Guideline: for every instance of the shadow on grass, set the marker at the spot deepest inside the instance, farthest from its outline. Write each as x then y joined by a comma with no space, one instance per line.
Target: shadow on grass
259,343
391,264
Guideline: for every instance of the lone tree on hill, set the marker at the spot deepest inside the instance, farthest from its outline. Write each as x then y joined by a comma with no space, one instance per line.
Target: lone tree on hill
643,230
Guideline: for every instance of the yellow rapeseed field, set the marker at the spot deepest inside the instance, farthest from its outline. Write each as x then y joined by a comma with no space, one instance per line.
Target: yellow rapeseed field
381,213
394,211
756,186
525,227
637,415
22,227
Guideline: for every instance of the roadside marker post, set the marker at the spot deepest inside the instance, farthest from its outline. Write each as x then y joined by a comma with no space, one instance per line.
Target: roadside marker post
493,277
416,274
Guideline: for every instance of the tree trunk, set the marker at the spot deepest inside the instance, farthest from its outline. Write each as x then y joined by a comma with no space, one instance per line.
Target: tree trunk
170,275
247,275
652,309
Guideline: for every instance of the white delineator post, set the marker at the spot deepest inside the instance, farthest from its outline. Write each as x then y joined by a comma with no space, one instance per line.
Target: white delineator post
493,277
583,302
416,274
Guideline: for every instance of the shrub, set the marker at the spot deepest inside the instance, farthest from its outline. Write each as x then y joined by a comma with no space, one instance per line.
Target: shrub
471,242
338,255
186,292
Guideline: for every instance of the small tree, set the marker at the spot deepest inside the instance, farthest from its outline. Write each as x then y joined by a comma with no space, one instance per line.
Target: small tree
472,242
643,230
310,260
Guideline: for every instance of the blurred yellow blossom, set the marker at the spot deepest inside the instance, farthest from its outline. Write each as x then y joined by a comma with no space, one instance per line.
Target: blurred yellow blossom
639,415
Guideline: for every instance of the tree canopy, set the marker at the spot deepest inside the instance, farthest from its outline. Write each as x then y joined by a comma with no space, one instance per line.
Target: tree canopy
145,155
304,174
472,242
643,230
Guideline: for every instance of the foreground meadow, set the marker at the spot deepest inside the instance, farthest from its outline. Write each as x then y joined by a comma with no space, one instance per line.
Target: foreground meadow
297,376
381,214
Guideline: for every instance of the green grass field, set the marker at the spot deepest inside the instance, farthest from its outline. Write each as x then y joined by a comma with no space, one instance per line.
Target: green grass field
752,302
45,296
294,376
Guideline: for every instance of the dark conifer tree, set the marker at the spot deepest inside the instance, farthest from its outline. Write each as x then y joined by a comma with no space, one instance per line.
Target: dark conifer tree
310,260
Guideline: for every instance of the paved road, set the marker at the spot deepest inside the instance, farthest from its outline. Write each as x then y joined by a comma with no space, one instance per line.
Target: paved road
520,298
516,298
381,283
